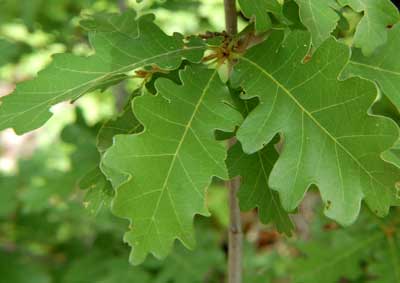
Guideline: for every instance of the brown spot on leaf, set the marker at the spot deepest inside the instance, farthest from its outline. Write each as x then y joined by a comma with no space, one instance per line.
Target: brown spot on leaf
307,58
328,204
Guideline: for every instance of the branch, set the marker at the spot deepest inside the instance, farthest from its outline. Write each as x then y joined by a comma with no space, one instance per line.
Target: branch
235,226
230,17
235,232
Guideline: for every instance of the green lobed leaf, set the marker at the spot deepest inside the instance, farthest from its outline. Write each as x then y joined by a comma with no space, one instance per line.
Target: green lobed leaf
258,10
320,18
122,43
171,163
254,192
330,140
373,28
383,67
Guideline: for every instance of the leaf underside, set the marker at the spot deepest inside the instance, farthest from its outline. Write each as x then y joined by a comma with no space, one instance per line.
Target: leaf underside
330,140
171,163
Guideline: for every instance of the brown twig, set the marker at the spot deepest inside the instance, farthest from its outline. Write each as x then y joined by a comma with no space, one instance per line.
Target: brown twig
235,227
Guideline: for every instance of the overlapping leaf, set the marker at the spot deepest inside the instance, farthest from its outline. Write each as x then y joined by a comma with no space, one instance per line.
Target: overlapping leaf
383,67
330,140
254,192
320,18
372,30
99,191
125,123
171,163
122,43
258,10
384,107
393,154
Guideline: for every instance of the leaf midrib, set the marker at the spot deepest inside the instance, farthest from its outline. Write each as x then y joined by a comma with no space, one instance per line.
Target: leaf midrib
176,154
89,83
304,110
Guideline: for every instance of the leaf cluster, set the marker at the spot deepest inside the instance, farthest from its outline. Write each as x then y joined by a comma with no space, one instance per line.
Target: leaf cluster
298,89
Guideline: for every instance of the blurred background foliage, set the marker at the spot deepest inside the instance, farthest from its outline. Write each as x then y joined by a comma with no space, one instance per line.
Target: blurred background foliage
55,223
